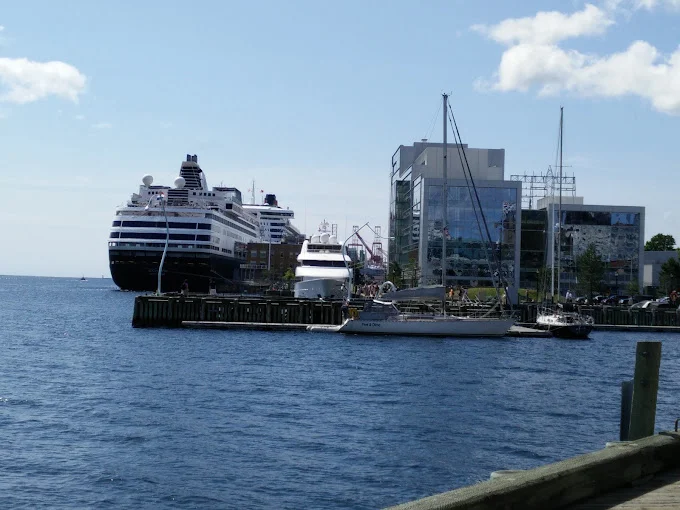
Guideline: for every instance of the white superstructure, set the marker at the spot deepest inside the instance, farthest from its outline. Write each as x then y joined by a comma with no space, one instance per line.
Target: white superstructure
275,222
323,270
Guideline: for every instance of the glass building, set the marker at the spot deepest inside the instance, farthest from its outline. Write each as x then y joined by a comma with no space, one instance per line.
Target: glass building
417,211
532,247
616,233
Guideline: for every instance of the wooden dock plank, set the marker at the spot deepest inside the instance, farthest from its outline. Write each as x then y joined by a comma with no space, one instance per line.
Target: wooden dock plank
661,492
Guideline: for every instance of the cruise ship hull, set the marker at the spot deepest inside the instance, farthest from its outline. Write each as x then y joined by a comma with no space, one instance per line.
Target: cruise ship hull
320,288
138,271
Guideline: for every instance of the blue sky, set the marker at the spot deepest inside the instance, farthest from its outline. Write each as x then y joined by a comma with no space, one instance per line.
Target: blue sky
311,99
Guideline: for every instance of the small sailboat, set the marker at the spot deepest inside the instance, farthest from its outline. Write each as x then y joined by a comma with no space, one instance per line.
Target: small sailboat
563,321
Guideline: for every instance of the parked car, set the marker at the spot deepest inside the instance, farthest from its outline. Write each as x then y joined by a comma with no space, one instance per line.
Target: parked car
639,297
641,304
666,305
582,300
623,300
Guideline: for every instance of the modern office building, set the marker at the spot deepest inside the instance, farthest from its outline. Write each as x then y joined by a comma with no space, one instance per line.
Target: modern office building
653,261
616,232
417,210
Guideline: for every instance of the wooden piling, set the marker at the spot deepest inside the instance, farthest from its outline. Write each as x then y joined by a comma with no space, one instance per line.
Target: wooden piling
645,388
626,401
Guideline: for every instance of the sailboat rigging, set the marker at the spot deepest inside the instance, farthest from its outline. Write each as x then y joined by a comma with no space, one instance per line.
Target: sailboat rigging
562,321
383,317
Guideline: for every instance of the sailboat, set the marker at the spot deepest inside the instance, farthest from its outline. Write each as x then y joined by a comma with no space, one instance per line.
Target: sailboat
382,317
563,321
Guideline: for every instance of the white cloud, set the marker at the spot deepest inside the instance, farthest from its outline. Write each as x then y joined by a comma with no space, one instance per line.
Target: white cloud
651,4
548,27
102,125
534,60
166,125
80,117
26,81
1,28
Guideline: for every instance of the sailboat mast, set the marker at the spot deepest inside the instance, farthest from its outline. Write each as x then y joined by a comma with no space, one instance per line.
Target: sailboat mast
445,98
559,210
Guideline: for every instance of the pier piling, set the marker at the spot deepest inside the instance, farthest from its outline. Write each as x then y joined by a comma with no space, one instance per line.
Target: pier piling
645,388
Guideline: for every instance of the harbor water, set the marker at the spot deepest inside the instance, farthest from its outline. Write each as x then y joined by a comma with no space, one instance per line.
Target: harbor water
97,414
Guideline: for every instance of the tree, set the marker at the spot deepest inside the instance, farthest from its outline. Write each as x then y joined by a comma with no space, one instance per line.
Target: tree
590,268
633,287
669,277
411,273
660,242
394,273
289,276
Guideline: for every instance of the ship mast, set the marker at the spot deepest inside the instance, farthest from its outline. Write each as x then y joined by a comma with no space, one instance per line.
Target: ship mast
559,211
445,98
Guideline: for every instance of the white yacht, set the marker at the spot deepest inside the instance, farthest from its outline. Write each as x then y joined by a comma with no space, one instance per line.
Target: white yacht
208,233
323,271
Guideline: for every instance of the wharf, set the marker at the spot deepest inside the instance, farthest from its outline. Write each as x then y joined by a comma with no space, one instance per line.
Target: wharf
642,474
173,311
639,329
260,326
520,331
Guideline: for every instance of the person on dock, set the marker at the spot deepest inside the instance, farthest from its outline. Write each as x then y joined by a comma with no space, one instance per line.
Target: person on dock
212,288
185,288
344,309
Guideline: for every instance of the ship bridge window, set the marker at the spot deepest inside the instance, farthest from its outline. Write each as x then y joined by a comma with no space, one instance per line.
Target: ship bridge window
324,263
116,223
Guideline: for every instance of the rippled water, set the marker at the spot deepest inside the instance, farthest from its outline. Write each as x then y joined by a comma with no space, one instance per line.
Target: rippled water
94,413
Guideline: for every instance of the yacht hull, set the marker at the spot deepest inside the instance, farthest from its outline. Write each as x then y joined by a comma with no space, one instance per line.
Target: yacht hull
571,331
438,327
320,288
138,271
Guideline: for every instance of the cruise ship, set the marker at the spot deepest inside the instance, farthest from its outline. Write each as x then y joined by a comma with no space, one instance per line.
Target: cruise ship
209,231
275,222
324,271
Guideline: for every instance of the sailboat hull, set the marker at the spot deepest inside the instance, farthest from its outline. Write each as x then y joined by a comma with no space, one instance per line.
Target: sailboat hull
435,327
571,331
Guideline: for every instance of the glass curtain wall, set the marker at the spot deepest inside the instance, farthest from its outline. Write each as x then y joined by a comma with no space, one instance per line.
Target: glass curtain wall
532,248
468,253
405,210
616,238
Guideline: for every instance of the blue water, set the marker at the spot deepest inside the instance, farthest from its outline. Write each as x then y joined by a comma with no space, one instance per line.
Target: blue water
96,414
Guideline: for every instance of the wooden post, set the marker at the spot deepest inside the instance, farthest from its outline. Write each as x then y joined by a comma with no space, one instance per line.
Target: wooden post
645,388
626,401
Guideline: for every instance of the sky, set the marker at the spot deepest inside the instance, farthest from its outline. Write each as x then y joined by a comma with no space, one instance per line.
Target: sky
311,99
